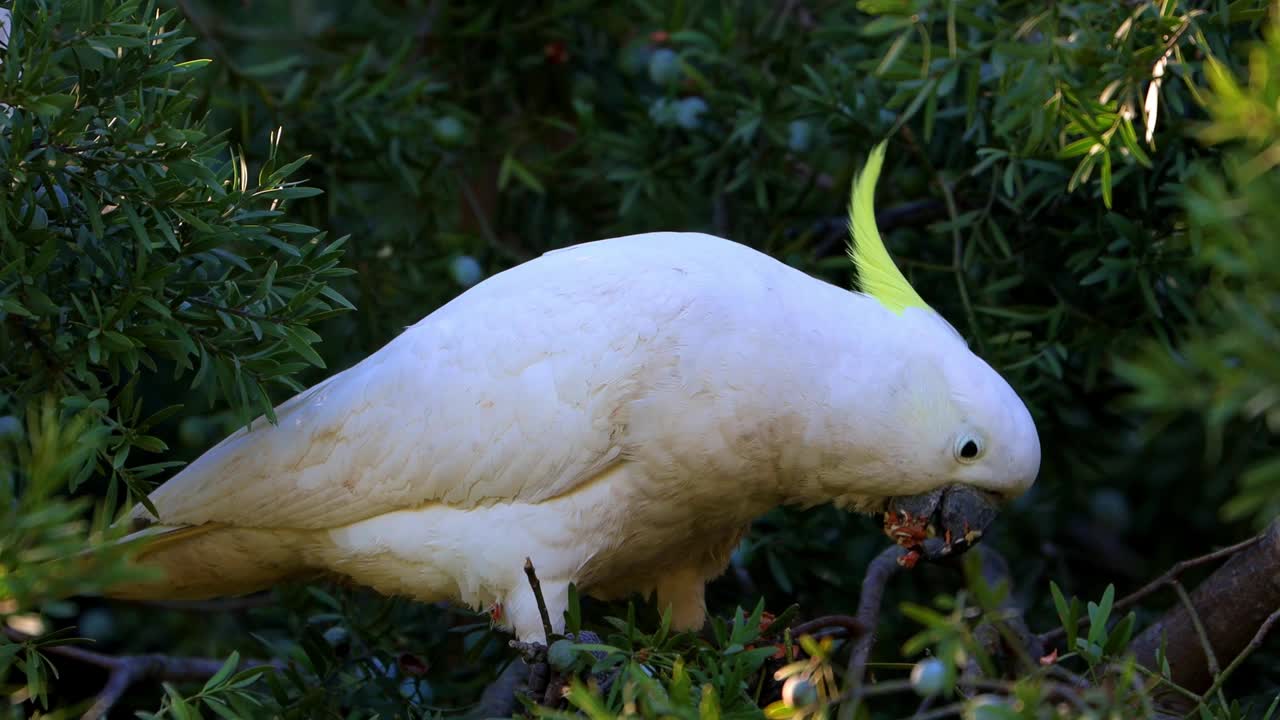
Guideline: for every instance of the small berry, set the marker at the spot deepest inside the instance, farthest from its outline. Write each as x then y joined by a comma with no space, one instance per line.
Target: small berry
10,428
799,692
929,677
466,270
664,66
799,135
555,52
689,112
448,130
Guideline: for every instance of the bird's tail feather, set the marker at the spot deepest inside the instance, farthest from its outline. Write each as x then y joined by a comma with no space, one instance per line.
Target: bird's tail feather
199,562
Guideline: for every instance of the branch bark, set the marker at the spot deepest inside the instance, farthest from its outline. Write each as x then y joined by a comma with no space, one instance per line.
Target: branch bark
851,626
1159,583
879,572
1235,606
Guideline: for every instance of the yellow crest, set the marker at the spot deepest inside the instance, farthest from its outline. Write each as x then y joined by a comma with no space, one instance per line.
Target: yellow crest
877,275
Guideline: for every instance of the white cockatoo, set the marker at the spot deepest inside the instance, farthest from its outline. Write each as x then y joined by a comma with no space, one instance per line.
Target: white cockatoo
616,411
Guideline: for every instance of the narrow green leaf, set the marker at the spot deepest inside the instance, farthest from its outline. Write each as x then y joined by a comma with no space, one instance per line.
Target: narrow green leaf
231,664
299,345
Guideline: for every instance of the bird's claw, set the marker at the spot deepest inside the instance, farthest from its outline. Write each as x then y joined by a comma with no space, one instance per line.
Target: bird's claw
531,652
545,680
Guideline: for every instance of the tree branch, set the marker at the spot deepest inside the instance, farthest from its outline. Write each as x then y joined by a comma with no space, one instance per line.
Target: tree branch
1235,607
852,626
124,671
1248,650
879,572
1057,634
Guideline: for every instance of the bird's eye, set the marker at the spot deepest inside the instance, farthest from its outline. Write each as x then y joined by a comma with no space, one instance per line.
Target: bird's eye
968,448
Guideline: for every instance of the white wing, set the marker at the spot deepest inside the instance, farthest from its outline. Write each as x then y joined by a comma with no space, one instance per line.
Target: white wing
518,390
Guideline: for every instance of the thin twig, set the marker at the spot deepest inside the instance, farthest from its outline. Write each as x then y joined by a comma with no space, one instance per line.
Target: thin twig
1221,678
1169,575
238,312
925,705
957,261
1062,691
952,710
1210,657
852,625
537,595
1008,687
124,671
1162,681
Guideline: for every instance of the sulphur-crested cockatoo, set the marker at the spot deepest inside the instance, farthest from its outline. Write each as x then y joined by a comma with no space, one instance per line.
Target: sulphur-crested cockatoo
618,412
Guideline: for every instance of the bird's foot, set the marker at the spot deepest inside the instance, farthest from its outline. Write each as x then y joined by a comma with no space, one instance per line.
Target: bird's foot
534,656
530,652
548,677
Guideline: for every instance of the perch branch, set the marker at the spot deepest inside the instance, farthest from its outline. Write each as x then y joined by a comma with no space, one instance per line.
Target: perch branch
124,671
879,572
537,595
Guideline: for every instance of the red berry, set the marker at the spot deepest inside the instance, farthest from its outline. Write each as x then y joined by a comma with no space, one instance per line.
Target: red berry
556,53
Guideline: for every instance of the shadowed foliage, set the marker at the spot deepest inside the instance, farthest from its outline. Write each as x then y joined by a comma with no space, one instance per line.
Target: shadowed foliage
208,205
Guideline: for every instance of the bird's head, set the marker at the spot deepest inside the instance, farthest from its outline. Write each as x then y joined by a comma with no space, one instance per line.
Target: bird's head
954,441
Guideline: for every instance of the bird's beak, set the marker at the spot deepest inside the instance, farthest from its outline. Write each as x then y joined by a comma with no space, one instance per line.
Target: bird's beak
941,523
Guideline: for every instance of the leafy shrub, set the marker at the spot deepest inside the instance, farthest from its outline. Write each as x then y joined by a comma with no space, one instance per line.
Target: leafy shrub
1084,188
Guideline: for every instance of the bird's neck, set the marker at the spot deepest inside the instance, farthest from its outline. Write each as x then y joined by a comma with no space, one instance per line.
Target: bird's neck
844,449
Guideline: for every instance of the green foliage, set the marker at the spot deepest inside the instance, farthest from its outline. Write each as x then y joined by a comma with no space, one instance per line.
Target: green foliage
1085,189
224,694
133,241
1227,367
38,525
134,247
666,675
